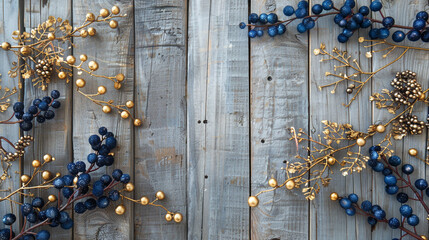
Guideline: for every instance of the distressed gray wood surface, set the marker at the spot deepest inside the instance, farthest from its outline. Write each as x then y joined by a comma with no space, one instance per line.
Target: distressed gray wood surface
160,88
416,61
327,106
216,108
56,133
113,49
9,12
198,41
279,86
218,121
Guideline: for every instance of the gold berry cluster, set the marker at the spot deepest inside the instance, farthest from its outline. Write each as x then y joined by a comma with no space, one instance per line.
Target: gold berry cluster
341,144
42,57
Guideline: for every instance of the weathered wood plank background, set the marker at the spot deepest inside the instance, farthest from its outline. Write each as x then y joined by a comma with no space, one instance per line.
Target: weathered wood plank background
216,109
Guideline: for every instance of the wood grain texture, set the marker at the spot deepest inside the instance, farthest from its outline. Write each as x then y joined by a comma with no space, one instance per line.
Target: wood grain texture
216,108
279,86
113,49
53,136
218,121
198,41
404,13
327,106
9,11
360,116
160,143
219,70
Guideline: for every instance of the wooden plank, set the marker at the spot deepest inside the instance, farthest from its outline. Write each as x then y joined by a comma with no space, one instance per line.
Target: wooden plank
198,41
417,61
160,143
359,115
327,219
113,49
279,87
53,136
218,121
226,188
9,22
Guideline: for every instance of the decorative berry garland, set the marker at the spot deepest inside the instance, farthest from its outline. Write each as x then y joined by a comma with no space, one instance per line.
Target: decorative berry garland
392,177
346,17
39,110
351,68
77,189
318,160
41,55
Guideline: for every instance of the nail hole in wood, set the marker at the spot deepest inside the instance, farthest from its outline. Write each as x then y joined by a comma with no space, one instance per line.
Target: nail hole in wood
206,176
205,121
262,141
269,78
199,121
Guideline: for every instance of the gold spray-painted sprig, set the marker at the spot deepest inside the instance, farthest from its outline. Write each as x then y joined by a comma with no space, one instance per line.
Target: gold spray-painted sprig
415,153
43,46
26,180
169,216
339,144
63,203
41,55
106,106
5,97
7,157
351,64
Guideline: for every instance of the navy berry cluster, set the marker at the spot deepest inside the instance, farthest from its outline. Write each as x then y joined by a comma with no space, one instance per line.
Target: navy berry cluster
348,17
78,187
103,145
394,175
40,110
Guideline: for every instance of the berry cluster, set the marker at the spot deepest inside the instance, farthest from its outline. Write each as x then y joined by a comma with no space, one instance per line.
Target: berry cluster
348,17
44,70
410,124
40,109
77,189
103,146
392,177
19,147
406,87
73,187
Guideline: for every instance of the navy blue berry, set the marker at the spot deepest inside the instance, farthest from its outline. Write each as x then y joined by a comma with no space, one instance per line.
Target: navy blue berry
55,94
117,174
103,202
288,10
421,184
405,210
407,169
366,205
394,223
345,203
18,107
253,18
388,22
38,202
413,220
317,9
43,235
9,219
375,6
402,197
